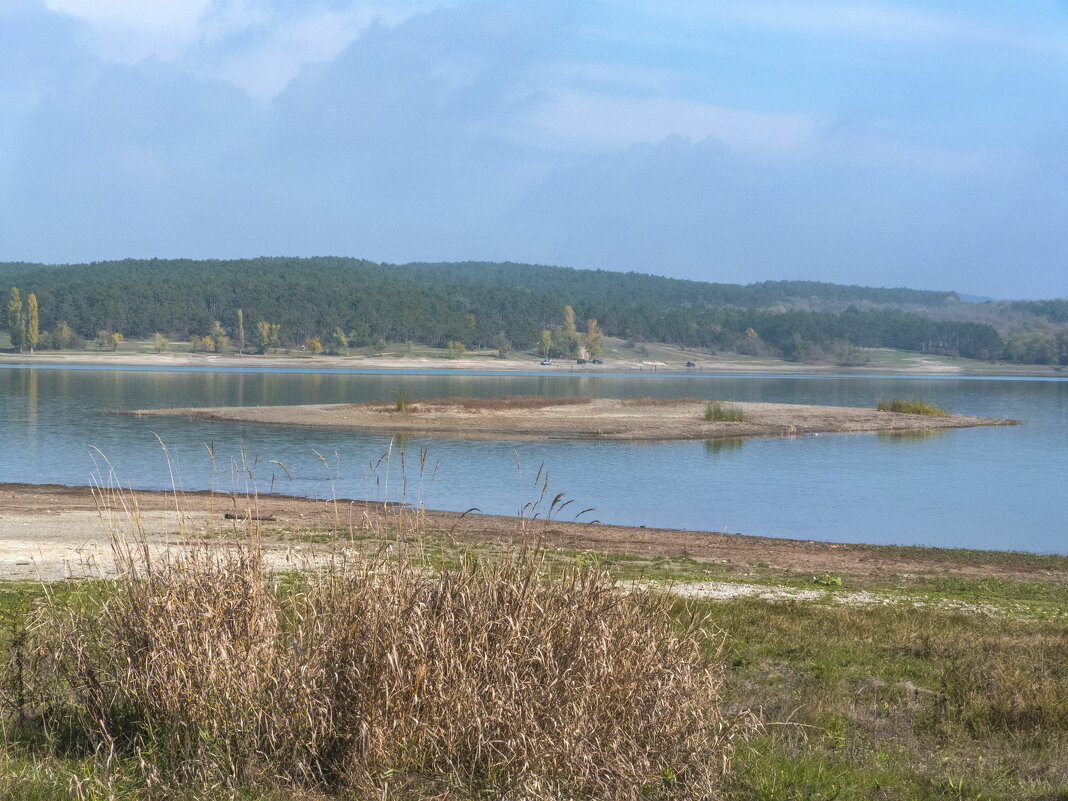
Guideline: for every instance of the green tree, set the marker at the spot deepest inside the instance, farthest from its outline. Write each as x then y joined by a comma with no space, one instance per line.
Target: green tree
240,331
61,337
342,340
565,337
503,345
267,336
31,322
380,344
14,320
594,340
218,334
103,339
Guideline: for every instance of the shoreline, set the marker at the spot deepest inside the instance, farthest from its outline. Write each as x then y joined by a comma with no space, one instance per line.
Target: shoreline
53,531
668,360
618,420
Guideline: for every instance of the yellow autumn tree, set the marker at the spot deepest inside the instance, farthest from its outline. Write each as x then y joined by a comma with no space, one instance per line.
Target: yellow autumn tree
594,340
31,322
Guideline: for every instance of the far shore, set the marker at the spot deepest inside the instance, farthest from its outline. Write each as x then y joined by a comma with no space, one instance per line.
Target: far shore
628,419
658,359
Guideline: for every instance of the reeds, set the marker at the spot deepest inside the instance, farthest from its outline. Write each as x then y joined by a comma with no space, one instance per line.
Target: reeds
717,411
910,406
381,675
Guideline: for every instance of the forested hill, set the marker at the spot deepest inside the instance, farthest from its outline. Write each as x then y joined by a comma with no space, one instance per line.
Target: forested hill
483,305
578,287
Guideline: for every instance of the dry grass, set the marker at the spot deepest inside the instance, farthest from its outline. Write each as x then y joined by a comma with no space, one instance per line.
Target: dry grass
654,403
382,676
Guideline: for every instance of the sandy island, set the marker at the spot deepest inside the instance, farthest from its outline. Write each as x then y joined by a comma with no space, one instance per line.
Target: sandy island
629,419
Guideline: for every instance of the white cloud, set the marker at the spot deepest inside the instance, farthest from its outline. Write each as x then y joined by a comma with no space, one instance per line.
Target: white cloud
130,30
891,22
257,45
265,68
156,16
587,120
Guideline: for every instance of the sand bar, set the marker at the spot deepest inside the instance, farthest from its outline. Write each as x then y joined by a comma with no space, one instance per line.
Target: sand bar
631,419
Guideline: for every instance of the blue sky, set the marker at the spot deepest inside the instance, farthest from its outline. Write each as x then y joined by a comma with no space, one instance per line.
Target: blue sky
885,143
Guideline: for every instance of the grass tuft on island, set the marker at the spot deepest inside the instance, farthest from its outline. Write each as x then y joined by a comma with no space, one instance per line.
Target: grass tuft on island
719,412
910,406
629,419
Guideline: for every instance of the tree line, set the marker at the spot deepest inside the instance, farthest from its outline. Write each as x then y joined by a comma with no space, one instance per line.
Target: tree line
338,303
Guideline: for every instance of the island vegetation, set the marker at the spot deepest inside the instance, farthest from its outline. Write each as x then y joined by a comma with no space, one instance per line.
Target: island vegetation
336,304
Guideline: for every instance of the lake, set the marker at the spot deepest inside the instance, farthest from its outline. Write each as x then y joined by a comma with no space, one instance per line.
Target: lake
998,488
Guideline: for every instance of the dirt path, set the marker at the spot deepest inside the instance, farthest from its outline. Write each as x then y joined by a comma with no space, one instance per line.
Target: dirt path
58,531
627,419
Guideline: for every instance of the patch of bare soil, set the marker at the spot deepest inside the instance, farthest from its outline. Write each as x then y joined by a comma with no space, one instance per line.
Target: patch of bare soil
56,531
582,418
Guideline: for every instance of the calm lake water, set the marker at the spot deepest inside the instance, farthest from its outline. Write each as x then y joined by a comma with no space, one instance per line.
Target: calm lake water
1000,488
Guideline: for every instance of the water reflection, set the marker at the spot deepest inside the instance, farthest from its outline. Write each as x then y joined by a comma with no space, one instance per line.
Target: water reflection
920,435
723,444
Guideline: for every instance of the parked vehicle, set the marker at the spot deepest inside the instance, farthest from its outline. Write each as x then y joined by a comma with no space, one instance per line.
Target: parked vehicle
546,362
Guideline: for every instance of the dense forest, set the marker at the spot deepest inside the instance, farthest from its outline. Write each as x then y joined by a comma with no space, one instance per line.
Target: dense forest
356,302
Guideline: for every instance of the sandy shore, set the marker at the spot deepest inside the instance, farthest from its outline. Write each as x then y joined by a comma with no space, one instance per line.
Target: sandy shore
667,359
56,532
632,419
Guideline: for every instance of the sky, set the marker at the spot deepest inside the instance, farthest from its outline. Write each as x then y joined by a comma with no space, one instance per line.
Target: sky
883,143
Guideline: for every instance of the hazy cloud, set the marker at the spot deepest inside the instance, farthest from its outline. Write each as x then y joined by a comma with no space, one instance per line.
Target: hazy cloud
726,142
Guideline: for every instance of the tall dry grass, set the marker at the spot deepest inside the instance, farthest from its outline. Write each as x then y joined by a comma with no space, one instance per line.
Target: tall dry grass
382,675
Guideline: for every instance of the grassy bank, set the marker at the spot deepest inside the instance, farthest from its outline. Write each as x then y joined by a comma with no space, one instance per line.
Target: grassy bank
876,686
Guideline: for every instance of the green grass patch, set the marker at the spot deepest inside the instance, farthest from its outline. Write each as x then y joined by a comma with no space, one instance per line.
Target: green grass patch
401,401
910,406
719,412
896,702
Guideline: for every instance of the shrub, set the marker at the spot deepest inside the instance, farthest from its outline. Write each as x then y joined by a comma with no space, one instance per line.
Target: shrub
910,406
491,677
